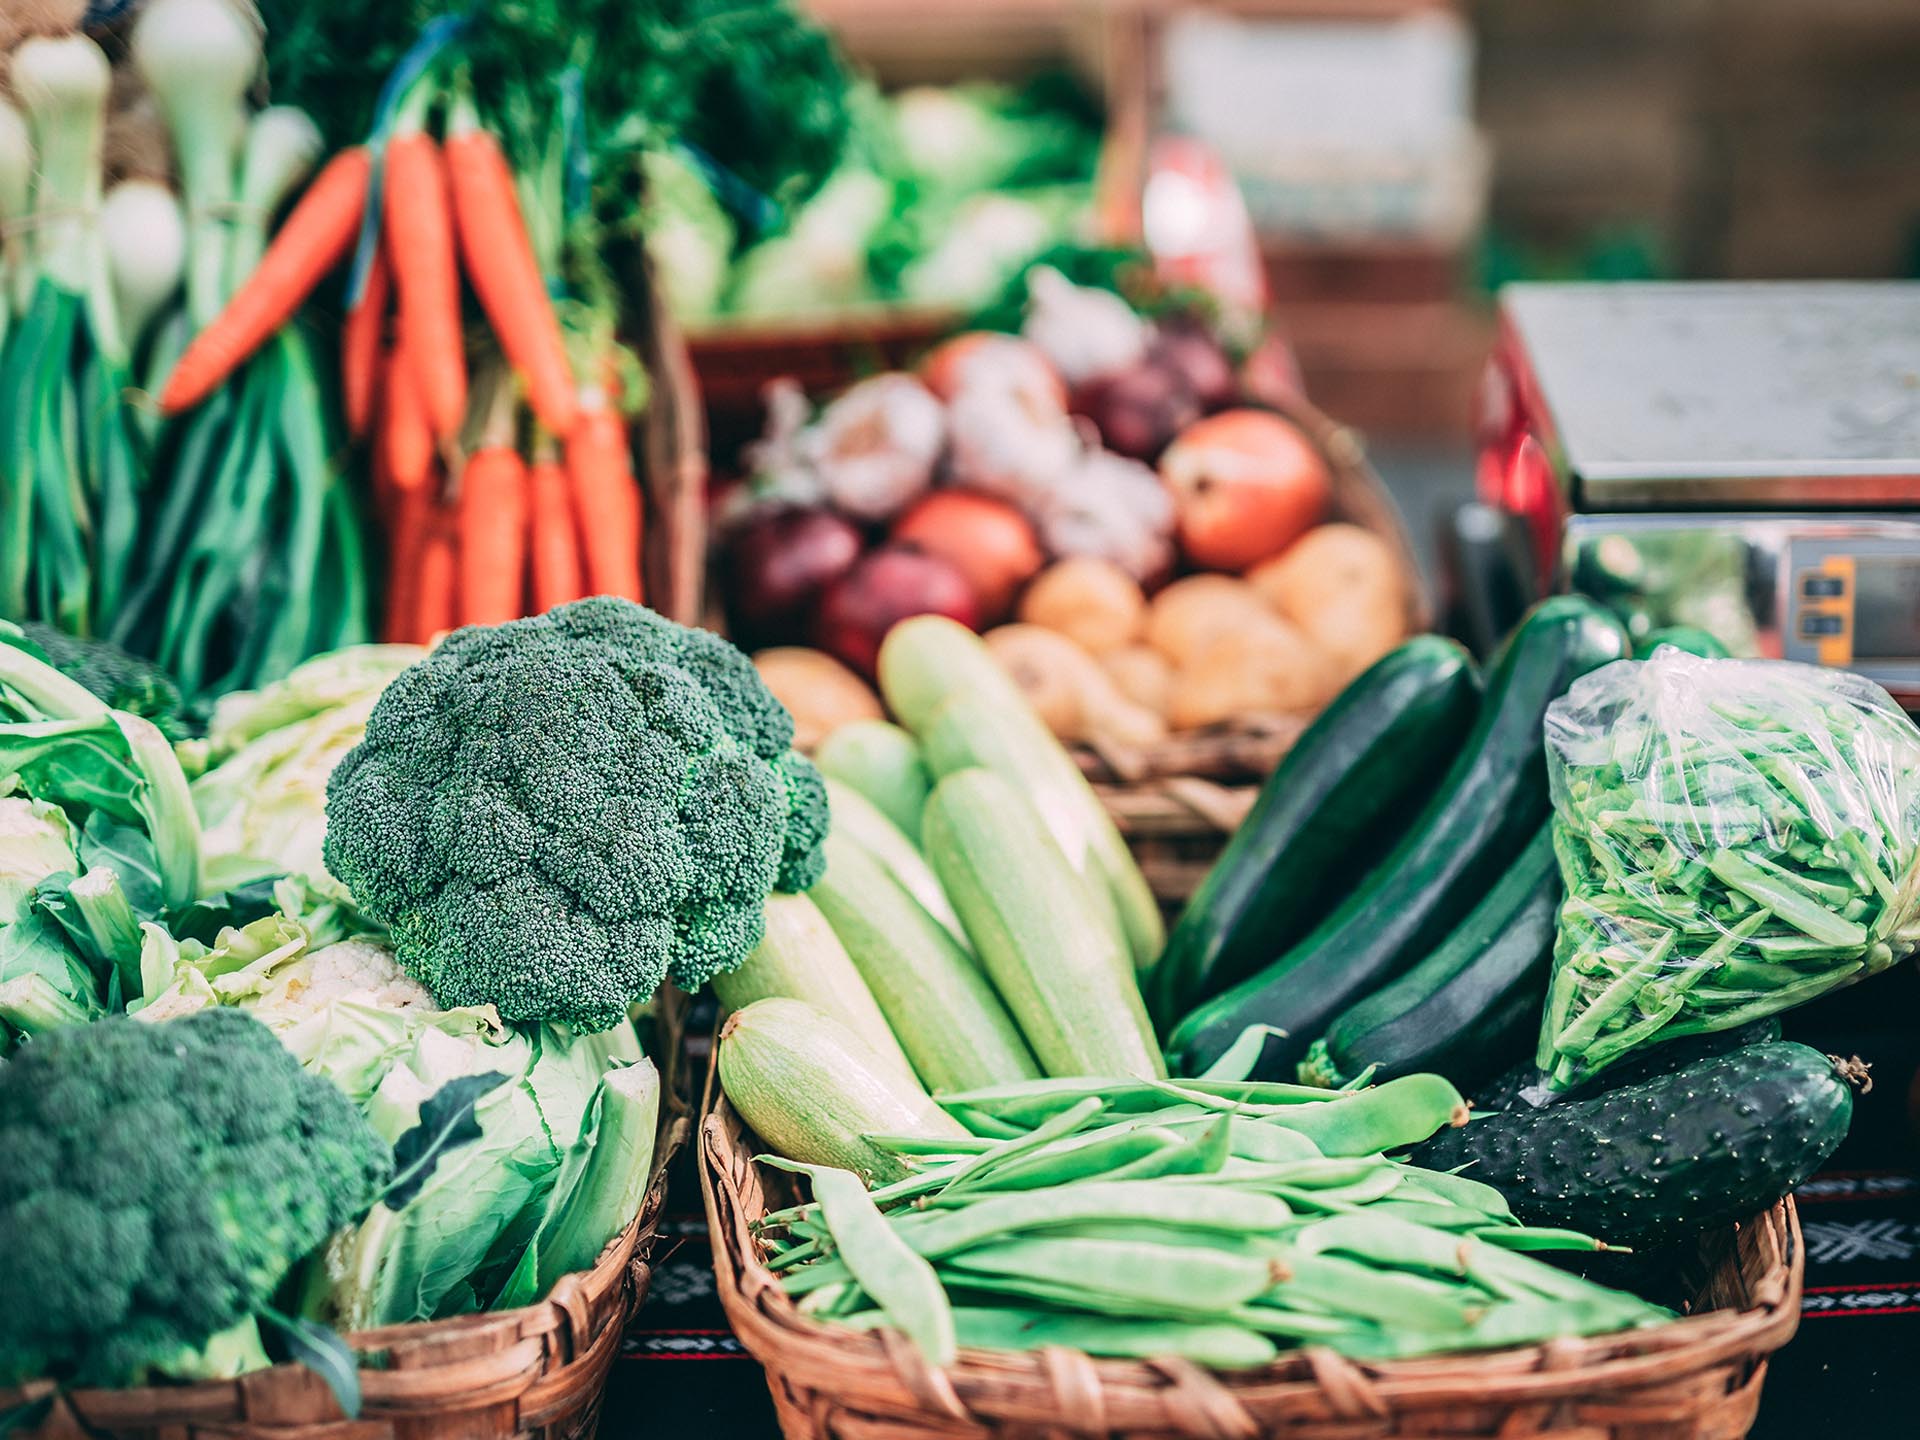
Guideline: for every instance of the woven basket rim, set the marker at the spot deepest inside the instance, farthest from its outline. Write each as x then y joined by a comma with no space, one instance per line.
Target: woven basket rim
568,1311
774,1331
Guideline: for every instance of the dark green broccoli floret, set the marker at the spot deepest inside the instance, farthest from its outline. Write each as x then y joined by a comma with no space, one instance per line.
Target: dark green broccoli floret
160,1180
554,814
124,681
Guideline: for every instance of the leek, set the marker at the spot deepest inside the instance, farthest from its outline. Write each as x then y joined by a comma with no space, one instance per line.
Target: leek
199,57
145,236
16,198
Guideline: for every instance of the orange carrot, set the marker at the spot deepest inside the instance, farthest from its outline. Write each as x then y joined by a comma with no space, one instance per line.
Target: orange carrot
408,520
493,537
436,607
499,260
555,538
360,338
419,235
315,238
405,436
606,500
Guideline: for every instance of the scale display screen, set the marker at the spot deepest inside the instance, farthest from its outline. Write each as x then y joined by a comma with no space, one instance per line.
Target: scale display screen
1886,607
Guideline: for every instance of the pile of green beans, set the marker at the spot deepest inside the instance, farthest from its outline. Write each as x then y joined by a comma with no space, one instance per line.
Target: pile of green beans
1736,837
1216,1220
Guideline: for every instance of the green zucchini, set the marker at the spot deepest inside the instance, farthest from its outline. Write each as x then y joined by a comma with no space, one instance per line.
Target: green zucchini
1061,973
1487,808
882,762
814,1091
1454,1012
1709,1144
938,1003
800,958
946,687
1338,802
863,822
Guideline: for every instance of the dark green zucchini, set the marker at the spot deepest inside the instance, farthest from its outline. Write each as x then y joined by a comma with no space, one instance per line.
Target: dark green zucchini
1492,800
1519,1087
1705,1145
1454,1013
1337,803
1690,638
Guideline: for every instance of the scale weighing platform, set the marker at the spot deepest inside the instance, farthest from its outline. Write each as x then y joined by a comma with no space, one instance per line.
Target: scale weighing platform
1741,457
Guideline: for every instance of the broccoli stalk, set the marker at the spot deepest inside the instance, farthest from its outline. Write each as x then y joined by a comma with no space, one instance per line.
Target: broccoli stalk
555,814
111,925
33,1005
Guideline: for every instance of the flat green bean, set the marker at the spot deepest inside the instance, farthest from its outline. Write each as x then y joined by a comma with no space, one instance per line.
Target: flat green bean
1125,1271
1400,1113
899,1281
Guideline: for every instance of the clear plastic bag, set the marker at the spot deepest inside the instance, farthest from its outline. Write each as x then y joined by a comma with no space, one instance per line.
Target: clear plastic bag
1736,837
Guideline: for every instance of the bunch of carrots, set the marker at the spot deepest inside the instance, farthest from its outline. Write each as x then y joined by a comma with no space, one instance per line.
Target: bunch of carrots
500,497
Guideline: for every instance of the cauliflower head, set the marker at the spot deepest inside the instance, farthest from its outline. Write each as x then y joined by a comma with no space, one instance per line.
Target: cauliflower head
554,814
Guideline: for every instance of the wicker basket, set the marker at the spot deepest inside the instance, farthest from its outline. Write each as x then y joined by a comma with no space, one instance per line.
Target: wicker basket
535,1373
1177,801
1697,1378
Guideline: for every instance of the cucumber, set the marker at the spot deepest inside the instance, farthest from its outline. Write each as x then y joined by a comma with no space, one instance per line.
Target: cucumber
938,1003
1492,800
883,763
800,958
1519,1088
1690,638
1337,802
814,1091
1709,1144
1061,973
946,687
863,822
1468,1007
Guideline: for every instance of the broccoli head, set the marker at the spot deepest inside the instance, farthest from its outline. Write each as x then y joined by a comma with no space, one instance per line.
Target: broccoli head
124,681
554,814
161,1179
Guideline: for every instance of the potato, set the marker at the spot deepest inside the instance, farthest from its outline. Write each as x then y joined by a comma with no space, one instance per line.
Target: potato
1144,675
1343,587
1186,617
1075,697
1092,602
821,693
1258,668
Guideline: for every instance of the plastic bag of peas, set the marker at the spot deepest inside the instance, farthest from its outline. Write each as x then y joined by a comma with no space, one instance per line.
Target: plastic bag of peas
1736,836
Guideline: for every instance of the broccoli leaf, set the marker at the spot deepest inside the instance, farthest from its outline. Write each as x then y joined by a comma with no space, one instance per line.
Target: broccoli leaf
322,1351
447,1122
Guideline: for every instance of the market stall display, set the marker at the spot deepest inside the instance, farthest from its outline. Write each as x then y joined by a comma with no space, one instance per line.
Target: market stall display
915,1224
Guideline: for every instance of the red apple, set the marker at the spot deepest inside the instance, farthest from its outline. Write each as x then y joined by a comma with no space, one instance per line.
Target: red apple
1246,485
885,588
988,541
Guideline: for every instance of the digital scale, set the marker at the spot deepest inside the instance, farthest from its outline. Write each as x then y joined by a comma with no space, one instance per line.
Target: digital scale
1741,457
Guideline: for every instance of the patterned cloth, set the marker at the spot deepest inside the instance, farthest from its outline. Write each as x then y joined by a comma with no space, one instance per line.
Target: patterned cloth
682,1368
